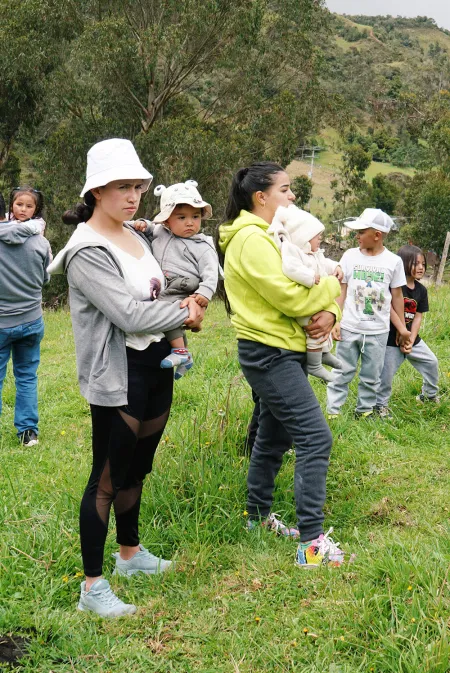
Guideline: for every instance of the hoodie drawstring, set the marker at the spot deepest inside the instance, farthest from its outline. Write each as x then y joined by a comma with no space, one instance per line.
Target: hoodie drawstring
363,343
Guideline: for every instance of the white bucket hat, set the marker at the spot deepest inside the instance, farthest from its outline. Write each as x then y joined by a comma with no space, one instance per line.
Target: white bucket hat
299,224
114,159
175,195
372,218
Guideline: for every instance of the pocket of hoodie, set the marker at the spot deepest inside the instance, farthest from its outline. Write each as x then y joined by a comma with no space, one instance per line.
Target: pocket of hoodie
101,364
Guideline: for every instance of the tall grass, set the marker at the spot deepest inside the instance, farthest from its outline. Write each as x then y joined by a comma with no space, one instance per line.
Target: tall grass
236,602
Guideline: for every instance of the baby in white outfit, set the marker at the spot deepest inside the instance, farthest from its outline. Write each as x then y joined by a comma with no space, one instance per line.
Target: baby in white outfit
298,235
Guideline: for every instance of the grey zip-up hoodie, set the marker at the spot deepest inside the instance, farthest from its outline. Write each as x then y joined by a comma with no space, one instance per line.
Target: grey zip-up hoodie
103,311
188,264
24,258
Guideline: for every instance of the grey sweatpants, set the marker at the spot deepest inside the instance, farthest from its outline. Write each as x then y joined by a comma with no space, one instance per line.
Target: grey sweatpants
371,349
289,414
422,358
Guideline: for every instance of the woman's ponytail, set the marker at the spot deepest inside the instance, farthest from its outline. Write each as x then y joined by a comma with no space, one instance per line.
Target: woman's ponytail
82,211
246,181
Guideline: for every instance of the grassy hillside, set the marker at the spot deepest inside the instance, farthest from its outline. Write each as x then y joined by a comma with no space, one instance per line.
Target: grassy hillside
236,602
372,66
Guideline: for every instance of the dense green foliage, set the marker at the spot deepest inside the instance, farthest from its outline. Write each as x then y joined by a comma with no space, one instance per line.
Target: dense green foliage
205,87
302,188
200,87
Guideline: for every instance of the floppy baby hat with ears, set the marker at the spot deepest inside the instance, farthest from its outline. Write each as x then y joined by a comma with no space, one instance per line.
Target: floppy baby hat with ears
299,224
175,195
114,159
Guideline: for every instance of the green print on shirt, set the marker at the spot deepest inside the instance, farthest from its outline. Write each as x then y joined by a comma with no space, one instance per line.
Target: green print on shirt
368,275
368,306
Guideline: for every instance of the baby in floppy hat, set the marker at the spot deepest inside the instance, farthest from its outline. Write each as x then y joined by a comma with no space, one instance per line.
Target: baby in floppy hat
187,258
298,234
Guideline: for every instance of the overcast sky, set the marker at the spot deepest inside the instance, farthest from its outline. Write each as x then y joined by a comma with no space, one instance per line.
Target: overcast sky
439,10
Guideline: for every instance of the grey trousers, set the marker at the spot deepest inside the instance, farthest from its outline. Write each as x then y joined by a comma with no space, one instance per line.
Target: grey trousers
421,358
289,414
371,350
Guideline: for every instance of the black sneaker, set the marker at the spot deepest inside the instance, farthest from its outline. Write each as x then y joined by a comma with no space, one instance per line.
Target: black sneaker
28,438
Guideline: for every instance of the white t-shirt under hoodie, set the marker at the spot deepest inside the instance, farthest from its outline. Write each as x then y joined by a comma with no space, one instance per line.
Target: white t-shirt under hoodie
144,280
369,279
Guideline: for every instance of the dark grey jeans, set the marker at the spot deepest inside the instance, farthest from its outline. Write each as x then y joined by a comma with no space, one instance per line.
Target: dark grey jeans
290,414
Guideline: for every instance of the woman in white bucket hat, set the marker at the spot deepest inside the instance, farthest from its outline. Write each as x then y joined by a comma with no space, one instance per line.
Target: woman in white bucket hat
119,337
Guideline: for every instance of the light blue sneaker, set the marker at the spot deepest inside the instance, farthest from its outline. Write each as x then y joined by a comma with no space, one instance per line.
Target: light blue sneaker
141,562
102,600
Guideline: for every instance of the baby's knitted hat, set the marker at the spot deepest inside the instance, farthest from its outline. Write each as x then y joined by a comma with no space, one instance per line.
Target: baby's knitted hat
300,225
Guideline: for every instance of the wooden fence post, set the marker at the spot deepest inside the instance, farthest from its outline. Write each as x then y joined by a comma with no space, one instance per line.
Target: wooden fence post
443,259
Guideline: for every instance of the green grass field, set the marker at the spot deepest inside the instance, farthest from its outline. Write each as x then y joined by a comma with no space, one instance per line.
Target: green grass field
236,603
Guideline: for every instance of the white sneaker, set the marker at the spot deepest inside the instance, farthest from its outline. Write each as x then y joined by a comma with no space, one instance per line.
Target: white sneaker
141,562
102,600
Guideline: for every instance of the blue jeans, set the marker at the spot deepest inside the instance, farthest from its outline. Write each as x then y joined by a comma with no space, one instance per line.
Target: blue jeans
23,341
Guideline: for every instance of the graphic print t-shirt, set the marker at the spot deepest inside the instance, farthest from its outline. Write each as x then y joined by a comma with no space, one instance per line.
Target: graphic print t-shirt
416,301
369,279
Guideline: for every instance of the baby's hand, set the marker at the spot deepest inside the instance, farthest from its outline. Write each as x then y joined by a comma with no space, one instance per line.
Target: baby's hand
201,300
338,273
317,279
336,332
139,225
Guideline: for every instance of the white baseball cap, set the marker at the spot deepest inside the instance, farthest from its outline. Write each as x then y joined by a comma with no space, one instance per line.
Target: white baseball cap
372,218
175,195
114,159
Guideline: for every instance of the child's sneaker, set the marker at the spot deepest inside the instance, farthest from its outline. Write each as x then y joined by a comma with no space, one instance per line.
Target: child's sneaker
273,523
364,414
102,600
178,356
423,398
322,551
332,417
28,438
384,413
141,562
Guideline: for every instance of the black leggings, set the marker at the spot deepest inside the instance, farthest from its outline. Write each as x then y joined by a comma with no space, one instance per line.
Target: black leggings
124,442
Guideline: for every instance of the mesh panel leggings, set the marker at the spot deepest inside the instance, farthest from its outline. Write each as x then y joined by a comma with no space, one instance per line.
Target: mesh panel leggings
124,442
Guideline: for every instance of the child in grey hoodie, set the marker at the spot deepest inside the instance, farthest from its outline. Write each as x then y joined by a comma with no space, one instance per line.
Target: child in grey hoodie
24,260
187,258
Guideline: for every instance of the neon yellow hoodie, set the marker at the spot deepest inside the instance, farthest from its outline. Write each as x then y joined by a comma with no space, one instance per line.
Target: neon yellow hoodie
264,301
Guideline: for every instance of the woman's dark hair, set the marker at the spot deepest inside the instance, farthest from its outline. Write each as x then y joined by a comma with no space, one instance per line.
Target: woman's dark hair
258,177
35,193
2,207
409,254
82,211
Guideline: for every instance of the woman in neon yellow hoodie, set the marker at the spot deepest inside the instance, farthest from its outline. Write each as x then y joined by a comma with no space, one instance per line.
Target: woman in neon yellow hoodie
264,306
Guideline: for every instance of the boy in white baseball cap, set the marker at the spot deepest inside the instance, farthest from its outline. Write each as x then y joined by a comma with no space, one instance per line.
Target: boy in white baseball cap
373,280
298,235
187,257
